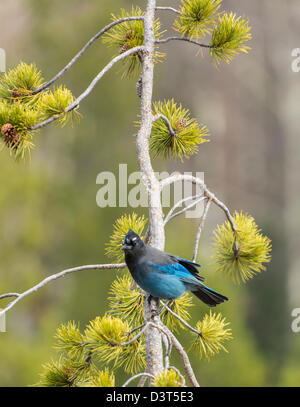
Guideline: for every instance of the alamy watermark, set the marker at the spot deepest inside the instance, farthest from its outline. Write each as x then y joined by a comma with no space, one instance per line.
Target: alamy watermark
296,62
2,60
127,190
295,326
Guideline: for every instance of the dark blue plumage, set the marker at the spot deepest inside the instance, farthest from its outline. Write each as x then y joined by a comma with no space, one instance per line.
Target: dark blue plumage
165,275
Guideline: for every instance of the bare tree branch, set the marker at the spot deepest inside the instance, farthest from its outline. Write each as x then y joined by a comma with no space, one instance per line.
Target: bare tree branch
195,180
55,277
82,51
181,319
177,371
118,58
168,349
144,327
171,215
132,339
186,39
168,124
91,86
200,228
8,295
45,123
136,329
167,9
184,357
144,375
168,346
178,204
142,381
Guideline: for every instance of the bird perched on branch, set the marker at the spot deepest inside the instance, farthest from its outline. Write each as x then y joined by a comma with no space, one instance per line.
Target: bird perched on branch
165,275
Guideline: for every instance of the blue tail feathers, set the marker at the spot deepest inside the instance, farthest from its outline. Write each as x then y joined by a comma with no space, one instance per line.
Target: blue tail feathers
208,296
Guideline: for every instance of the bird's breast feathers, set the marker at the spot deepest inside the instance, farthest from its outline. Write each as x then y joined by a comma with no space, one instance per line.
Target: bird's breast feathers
160,281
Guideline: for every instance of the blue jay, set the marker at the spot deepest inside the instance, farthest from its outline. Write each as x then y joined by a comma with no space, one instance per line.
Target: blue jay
165,275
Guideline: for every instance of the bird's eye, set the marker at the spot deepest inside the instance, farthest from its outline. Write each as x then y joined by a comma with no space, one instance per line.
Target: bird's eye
133,241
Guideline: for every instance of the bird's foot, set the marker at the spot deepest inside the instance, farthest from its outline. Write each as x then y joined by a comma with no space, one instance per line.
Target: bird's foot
155,313
149,299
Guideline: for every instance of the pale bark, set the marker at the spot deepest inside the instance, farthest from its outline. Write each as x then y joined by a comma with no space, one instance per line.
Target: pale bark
153,336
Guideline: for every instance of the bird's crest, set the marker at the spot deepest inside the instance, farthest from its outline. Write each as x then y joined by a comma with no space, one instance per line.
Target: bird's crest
130,236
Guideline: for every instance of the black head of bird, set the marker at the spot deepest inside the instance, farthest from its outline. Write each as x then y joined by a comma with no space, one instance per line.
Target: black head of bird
132,244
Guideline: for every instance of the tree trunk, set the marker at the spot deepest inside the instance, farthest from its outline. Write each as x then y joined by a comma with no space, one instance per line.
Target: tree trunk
154,354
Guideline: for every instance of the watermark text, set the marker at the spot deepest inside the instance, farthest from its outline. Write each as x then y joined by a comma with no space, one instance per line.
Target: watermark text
127,190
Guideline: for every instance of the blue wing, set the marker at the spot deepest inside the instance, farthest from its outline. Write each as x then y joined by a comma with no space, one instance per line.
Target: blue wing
175,269
191,267
179,275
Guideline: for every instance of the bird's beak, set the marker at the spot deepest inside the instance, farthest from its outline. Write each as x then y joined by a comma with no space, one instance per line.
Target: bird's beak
126,247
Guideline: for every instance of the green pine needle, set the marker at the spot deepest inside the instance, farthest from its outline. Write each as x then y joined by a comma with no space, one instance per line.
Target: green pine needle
22,119
18,83
75,366
189,134
253,249
168,378
70,340
213,334
229,38
18,116
197,17
61,373
55,104
103,336
102,379
106,330
22,110
120,229
130,34
126,301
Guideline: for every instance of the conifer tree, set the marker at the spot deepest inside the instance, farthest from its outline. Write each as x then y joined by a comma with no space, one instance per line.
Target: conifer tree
138,335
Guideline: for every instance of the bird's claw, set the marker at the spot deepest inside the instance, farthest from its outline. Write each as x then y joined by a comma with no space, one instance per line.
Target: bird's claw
155,313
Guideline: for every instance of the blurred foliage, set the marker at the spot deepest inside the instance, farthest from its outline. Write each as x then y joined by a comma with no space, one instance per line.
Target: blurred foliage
197,17
52,220
253,248
168,378
130,34
21,109
102,379
55,103
18,83
229,37
61,373
126,300
103,337
105,340
229,33
49,218
213,333
188,133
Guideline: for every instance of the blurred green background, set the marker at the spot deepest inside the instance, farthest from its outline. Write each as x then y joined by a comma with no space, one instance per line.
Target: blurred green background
49,219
